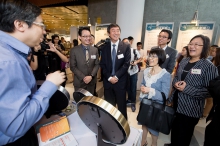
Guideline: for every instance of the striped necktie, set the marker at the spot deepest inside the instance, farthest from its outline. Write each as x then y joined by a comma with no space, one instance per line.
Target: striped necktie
87,55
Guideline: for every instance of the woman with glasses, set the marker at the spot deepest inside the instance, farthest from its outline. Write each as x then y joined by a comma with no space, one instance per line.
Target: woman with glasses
155,81
190,90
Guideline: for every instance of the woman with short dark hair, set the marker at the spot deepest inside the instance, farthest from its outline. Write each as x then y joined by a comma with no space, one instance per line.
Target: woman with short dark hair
155,81
190,90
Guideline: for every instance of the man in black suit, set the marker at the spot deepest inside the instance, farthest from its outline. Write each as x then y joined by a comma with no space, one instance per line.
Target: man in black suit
114,62
164,39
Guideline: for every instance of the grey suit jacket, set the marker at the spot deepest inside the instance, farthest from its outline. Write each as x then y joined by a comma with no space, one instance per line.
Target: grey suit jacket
170,61
80,68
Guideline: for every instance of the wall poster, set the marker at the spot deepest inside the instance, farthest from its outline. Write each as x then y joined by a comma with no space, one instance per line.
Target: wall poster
187,31
152,31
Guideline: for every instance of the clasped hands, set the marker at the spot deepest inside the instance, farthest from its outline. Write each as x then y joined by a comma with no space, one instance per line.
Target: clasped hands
87,79
113,80
144,89
180,85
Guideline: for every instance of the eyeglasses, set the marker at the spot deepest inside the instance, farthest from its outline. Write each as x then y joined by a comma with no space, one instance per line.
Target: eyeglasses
89,36
163,37
152,56
40,24
196,45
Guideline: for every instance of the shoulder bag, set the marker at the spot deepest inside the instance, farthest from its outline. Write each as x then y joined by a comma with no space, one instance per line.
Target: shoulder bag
156,116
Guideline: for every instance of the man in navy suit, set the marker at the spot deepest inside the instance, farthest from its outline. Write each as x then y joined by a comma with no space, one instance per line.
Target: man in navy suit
164,39
114,62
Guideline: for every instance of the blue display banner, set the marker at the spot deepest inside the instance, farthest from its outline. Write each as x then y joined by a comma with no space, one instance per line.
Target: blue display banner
185,27
150,27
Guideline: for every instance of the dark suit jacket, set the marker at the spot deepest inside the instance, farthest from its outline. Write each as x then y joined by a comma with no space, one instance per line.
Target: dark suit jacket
121,65
80,68
171,55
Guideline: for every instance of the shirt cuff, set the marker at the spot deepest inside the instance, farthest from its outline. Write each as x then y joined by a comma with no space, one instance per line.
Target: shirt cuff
109,79
48,88
116,77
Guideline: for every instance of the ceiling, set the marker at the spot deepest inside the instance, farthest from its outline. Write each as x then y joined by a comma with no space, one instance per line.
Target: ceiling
62,18
60,15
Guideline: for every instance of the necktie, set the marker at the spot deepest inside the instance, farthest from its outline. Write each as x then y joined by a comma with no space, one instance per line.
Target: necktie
87,56
113,59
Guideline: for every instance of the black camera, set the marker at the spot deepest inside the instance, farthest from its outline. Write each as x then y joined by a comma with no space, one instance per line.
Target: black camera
102,42
44,45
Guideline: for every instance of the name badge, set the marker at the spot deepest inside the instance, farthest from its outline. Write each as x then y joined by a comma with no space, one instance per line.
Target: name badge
167,56
120,56
93,56
196,71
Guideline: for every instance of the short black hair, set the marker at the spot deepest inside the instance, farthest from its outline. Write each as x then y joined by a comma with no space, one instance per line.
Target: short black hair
124,39
130,38
160,53
75,42
111,26
206,45
214,46
139,43
83,28
170,34
22,10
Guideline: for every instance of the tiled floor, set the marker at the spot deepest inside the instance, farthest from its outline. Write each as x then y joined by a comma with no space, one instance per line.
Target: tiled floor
198,136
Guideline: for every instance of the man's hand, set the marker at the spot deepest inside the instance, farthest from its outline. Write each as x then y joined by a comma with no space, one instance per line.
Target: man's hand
113,80
57,77
87,79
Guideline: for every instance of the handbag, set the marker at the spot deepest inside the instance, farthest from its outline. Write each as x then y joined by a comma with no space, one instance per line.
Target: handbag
155,115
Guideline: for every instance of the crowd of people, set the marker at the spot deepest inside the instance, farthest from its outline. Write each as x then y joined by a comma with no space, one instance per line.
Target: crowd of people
183,78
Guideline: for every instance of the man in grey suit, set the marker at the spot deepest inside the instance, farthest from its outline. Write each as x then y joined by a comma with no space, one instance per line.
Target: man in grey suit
84,62
164,39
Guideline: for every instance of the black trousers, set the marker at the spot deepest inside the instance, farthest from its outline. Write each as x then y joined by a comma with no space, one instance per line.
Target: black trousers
212,134
29,139
182,130
114,96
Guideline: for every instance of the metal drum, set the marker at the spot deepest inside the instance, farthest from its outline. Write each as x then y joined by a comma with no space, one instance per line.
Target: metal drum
95,112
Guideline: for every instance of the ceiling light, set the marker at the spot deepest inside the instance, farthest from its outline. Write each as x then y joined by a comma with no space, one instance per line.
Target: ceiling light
89,24
195,17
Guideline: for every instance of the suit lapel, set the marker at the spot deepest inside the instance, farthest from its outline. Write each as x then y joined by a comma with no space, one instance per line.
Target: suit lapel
109,54
119,51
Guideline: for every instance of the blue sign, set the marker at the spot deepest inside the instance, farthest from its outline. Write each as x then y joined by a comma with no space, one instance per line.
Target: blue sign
150,27
185,27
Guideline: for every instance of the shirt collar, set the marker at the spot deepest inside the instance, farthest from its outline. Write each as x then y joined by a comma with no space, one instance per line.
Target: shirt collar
115,43
164,48
84,47
14,43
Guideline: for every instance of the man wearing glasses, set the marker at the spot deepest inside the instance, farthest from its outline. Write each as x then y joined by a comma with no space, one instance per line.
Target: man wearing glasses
84,62
164,39
21,104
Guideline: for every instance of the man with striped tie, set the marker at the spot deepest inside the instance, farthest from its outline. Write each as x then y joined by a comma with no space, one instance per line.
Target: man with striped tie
84,62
